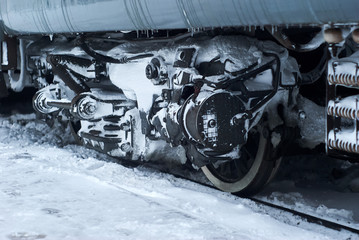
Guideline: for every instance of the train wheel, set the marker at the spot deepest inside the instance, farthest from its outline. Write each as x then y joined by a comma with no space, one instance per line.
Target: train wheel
246,175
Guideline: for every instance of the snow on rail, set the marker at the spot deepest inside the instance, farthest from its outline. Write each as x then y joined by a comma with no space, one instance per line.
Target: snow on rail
50,189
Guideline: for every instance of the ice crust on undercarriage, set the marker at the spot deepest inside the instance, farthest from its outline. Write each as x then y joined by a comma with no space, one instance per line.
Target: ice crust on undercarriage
238,52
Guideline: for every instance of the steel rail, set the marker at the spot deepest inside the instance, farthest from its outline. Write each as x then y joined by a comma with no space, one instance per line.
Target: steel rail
305,216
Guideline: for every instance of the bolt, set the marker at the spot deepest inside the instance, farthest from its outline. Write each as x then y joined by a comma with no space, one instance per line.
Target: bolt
126,147
151,71
212,123
91,108
302,115
235,121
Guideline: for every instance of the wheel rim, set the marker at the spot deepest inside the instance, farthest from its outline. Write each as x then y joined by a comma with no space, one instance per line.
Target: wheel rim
231,176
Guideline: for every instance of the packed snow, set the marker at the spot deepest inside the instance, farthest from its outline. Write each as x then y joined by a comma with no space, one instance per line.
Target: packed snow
51,188
317,185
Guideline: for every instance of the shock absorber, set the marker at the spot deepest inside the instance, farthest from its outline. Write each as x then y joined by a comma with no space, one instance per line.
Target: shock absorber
342,112
342,135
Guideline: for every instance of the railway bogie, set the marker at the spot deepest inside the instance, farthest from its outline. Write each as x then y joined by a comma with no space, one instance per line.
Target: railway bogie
226,99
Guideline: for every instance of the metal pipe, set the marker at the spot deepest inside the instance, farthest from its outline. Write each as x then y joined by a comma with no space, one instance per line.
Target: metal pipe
73,16
59,104
18,83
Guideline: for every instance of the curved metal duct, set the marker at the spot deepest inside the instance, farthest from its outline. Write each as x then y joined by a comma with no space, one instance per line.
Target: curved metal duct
72,16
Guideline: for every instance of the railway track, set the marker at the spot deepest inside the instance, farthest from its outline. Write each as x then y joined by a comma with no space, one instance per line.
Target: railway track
308,217
304,216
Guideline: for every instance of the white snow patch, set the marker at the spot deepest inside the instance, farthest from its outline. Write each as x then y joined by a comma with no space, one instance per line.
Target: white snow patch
54,192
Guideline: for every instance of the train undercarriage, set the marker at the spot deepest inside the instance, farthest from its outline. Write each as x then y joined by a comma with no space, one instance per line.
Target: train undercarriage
228,100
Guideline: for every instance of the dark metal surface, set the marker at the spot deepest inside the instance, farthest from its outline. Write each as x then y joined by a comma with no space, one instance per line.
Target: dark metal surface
71,16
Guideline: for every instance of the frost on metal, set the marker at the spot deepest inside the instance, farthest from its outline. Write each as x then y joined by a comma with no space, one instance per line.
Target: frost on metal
64,16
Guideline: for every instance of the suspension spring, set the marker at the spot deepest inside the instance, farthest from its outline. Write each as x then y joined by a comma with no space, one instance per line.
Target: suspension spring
344,79
342,111
343,145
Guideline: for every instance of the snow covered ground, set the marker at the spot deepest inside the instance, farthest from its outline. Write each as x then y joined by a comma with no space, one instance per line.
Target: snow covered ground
318,185
52,189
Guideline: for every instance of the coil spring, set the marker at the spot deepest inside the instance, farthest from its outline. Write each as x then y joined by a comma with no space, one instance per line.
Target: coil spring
344,79
343,145
341,111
